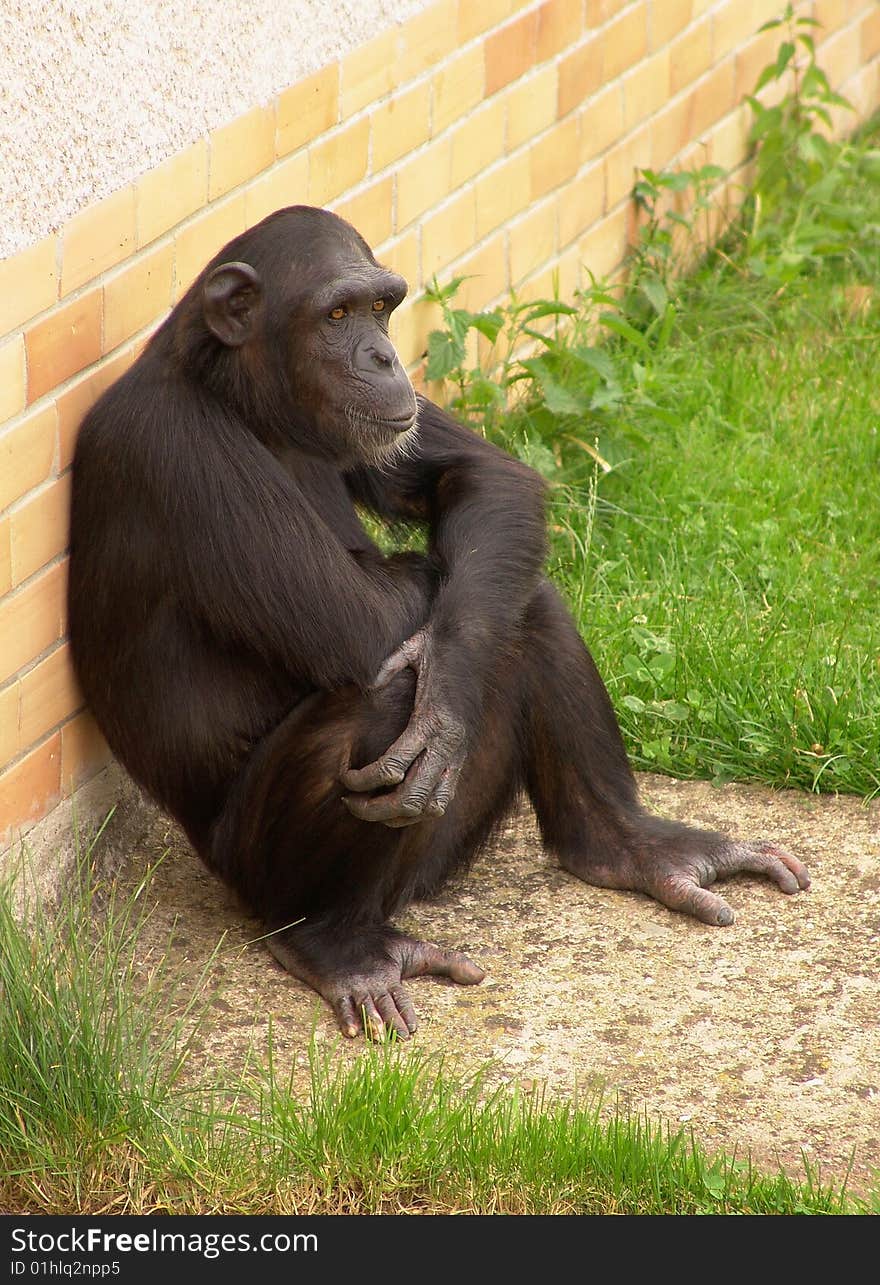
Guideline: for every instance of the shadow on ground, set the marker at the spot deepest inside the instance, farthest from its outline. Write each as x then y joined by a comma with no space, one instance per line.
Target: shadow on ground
762,1037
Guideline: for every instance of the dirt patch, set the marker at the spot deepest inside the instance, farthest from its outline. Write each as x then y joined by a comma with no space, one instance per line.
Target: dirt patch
762,1037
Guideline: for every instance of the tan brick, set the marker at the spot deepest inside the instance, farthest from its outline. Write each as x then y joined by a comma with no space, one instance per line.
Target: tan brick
10,742
623,160
728,144
48,695
338,162
599,11
240,150
97,239
712,98
31,619
486,273
416,319
560,23
831,14
81,396
26,454
646,89
5,562
368,73
691,55
138,295
307,109
458,88
842,56
555,158
511,51
474,19
601,122
531,106
403,255
39,529
400,125
624,41
423,181
869,35
477,142
581,203
198,242
503,193
30,788
426,39
286,183
580,74
670,131
12,378
370,211
167,195
28,284
751,59
731,27
68,340
604,247
532,241
83,751
449,233
666,19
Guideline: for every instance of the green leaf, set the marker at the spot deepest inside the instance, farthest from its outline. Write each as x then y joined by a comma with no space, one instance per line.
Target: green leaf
488,324
614,321
445,354
655,292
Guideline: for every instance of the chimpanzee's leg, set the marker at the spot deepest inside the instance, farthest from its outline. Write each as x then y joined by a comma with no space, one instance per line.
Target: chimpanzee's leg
585,796
326,882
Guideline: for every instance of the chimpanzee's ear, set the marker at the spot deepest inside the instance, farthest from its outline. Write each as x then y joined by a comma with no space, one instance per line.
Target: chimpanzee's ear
231,298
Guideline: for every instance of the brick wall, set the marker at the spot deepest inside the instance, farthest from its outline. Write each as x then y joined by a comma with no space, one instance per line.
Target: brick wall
496,138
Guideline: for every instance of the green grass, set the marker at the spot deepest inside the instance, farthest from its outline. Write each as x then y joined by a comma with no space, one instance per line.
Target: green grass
97,1115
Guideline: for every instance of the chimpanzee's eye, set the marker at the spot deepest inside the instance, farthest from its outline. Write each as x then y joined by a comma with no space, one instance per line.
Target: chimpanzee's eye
378,305
338,313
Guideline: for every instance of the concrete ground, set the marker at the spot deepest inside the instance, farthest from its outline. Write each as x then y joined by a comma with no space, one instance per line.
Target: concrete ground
761,1038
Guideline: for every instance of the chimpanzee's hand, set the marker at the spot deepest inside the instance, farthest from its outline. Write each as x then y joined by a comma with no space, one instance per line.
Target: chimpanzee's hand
425,761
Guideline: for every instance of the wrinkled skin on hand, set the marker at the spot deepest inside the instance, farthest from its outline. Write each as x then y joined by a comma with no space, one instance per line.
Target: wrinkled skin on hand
419,772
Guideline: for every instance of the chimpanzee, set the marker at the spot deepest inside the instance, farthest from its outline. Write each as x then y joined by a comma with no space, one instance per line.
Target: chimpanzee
338,730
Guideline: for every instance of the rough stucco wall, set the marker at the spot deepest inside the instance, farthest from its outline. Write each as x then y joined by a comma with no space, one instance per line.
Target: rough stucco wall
94,93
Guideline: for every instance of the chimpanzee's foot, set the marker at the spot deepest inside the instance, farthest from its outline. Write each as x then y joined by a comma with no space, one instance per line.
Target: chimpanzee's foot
360,973
676,865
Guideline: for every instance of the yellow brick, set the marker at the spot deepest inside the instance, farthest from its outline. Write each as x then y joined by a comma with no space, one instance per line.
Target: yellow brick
712,98
869,34
39,529
666,19
97,239
555,158
170,193
31,619
477,142
138,295
624,41
199,241
731,28
531,106
84,752
425,40
580,74
690,56
751,59
474,19
729,140
286,183
560,24
503,193
68,340
49,694
30,788
604,247
338,162
448,234
830,13
532,241
423,181
307,109
26,454
622,162
402,255
458,88
12,378
28,284
370,211
9,738
81,396
486,273
511,51
368,73
581,203
240,150
5,564
411,327
842,55
670,131
601,122
599,11
400,125
645,89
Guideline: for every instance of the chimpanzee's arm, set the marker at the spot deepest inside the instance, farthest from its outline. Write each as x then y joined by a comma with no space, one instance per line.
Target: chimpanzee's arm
487,531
